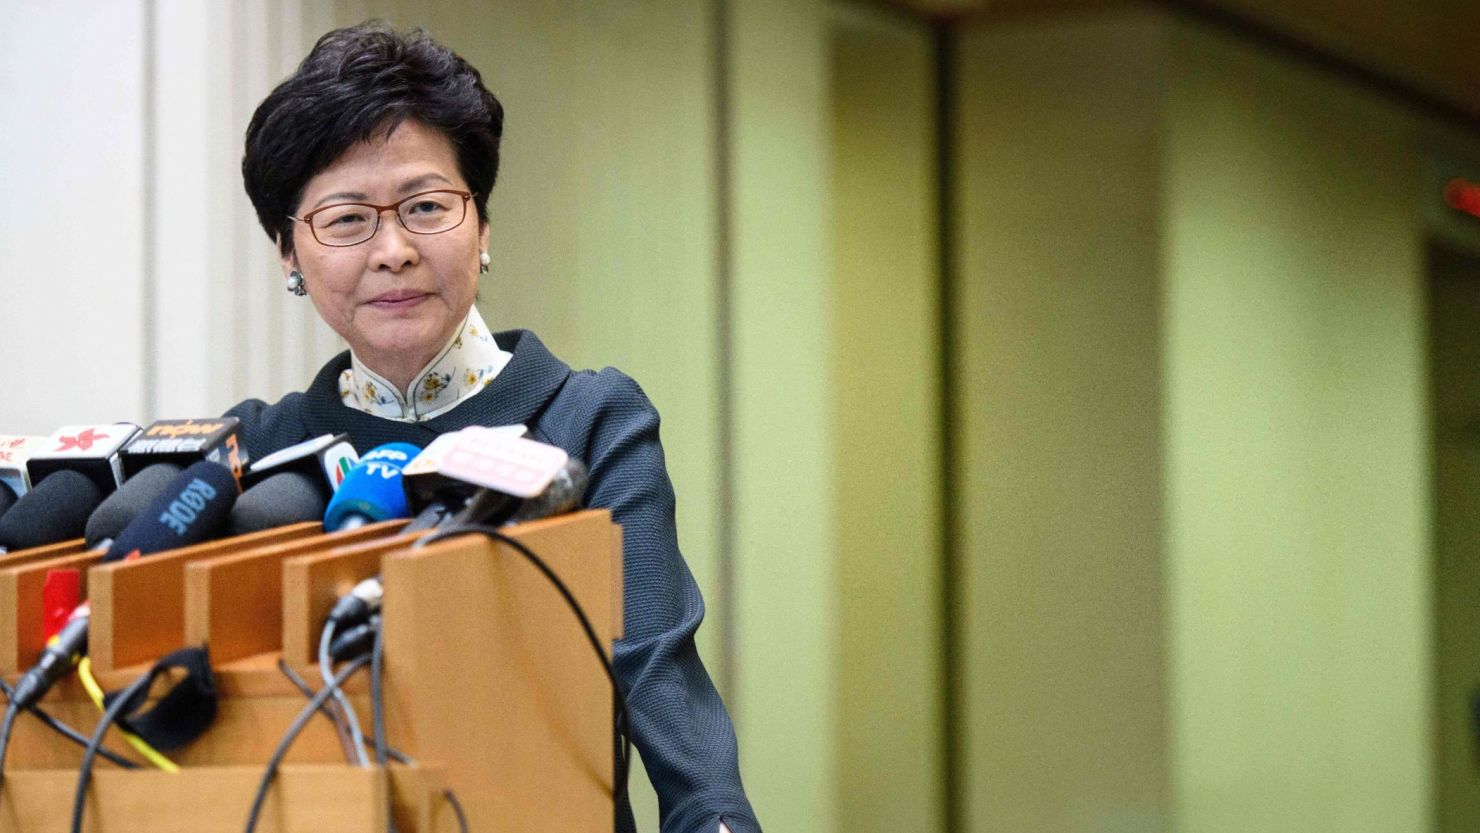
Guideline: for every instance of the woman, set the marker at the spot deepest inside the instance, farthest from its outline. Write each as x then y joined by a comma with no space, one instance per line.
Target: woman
370,168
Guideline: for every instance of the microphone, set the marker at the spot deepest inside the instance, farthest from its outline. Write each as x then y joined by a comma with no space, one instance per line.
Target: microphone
119,509
56,510
516,476
372,490
284,498
325,459
14,452
185,441
193,508
7,498
433,494
89,450
564,494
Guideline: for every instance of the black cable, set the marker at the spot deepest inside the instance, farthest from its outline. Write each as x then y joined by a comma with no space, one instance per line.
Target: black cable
619,785
327,710
377,717
5,727
94,743
292,734
462,818
326,669
67,732
377,694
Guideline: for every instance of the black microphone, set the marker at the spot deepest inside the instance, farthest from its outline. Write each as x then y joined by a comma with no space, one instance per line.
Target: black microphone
287,497
7,498
326,459
193,508
55,510
119,509
182,442
15,450
89,450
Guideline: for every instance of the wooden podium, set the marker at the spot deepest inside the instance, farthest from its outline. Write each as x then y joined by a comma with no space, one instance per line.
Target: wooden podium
490,684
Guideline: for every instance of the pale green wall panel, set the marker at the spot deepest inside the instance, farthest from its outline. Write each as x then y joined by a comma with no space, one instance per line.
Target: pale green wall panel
1058,310
785,558
1297,450
886,417
1454,323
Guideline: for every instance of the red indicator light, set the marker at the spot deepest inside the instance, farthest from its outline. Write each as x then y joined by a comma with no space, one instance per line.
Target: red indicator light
1462,195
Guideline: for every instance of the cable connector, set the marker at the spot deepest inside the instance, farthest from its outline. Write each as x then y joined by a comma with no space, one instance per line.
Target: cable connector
57,660
358,604
353,642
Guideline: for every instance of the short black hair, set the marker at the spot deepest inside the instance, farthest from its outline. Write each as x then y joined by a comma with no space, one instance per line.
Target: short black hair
358,83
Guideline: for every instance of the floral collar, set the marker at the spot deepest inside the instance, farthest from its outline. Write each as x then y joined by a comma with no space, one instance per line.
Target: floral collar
465,366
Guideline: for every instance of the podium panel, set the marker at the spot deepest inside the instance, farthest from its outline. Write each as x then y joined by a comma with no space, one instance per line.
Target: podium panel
491,686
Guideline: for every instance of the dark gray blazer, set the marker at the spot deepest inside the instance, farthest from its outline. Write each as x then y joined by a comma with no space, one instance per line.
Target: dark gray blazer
679,723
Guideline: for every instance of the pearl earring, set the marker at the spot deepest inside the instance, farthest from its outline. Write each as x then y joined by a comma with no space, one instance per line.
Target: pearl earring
295,283
483,261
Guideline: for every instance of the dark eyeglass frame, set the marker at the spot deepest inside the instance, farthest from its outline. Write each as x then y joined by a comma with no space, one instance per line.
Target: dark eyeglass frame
380,210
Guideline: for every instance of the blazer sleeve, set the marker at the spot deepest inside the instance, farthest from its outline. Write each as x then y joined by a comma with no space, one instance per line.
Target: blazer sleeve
679,723
267,428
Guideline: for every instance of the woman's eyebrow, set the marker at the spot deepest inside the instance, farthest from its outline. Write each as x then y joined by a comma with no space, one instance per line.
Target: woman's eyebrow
424,179
408,185
352,196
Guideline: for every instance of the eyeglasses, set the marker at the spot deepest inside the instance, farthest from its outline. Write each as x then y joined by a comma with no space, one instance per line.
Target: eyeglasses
351,223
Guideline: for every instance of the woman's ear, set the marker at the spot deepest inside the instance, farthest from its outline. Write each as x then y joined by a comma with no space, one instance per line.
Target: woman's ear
288,261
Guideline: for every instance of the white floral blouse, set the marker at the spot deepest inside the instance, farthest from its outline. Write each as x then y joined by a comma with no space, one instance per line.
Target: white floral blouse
467,365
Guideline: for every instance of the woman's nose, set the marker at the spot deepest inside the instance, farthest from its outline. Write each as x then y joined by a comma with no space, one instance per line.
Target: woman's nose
392,246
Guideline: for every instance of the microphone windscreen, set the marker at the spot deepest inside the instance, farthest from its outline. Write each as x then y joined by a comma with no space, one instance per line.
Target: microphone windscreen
119,509
372,490
7,498
285,498
193,508
55,509
564,494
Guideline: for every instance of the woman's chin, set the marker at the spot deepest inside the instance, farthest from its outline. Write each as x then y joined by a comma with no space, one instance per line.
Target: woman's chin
402,340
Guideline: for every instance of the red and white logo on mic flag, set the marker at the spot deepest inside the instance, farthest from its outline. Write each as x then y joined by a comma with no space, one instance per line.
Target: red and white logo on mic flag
15,450
501,461
87,440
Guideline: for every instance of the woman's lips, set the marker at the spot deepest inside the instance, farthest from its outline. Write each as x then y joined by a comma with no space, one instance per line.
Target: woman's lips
398,300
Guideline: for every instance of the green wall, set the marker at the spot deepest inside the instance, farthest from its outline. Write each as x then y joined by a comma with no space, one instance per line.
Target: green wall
1297,450
781,359
885,418
1059,467
1195,436
1454,325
